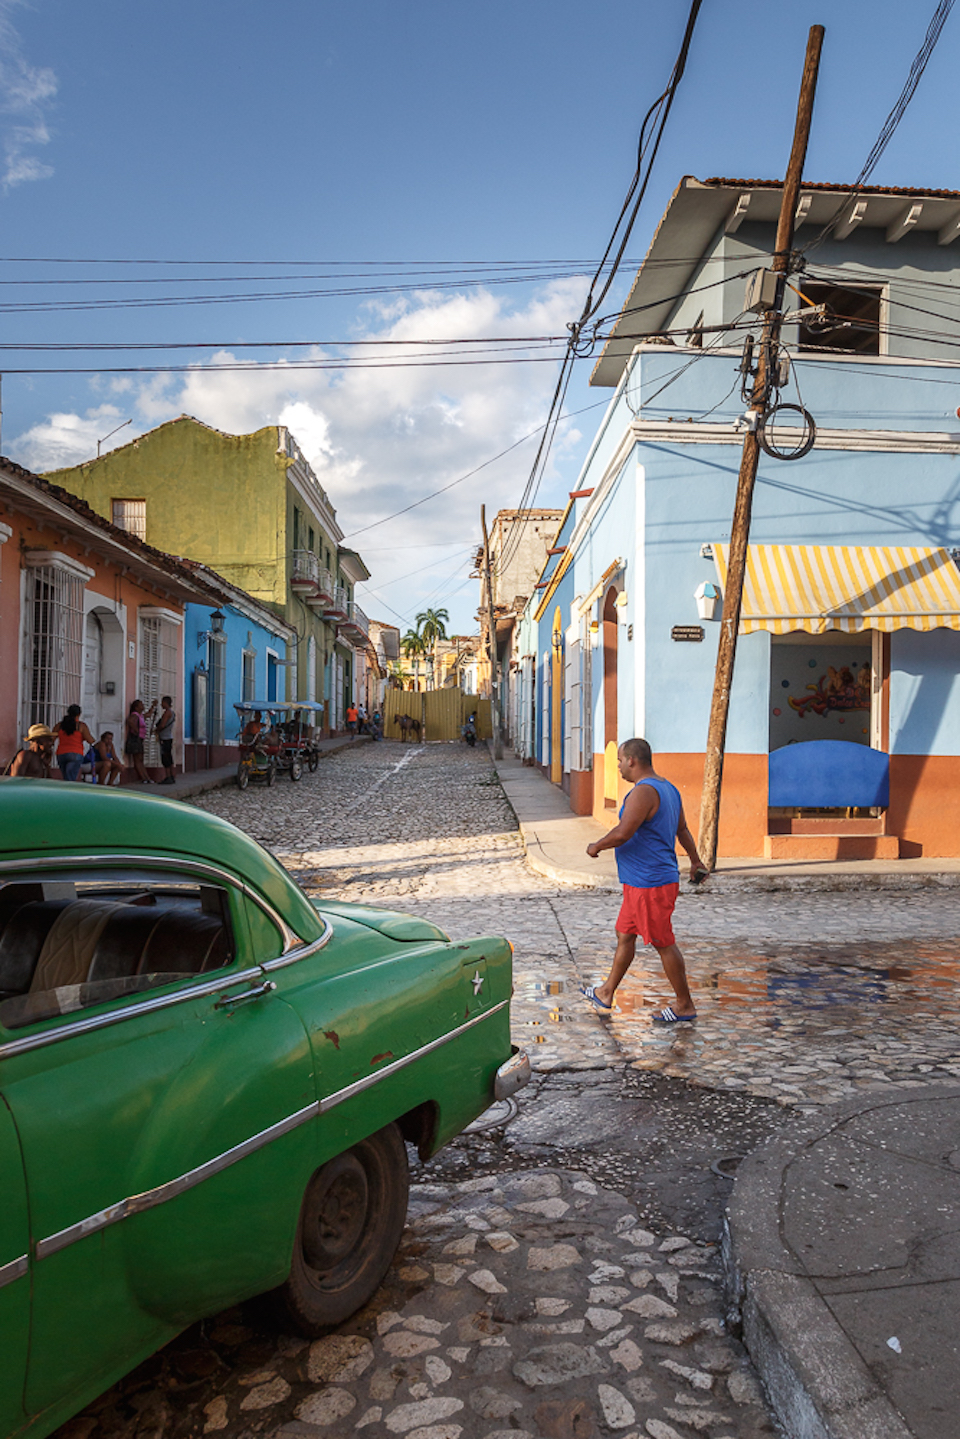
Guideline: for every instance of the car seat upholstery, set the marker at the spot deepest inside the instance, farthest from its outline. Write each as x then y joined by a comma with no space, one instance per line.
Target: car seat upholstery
69,946
51,944
22,939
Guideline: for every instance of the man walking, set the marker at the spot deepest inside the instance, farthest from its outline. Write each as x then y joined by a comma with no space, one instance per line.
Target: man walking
651,821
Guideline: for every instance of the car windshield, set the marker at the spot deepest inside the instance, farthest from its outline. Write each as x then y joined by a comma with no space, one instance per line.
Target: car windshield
69,942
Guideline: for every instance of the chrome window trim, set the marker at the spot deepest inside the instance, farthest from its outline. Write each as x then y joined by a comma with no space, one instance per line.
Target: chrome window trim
294,948
16,1269
161,1193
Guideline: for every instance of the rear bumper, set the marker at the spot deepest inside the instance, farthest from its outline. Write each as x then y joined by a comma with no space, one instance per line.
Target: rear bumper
512,1076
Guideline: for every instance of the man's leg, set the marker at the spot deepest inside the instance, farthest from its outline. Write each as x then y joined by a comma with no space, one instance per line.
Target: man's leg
676,972
622,960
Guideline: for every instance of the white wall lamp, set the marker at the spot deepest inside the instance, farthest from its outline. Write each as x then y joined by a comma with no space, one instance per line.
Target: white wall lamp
709,600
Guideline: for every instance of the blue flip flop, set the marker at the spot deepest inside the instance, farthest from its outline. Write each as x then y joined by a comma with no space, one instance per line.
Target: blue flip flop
670,1016
598,1004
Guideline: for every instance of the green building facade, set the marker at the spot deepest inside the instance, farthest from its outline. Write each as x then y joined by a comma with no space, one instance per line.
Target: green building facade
251,508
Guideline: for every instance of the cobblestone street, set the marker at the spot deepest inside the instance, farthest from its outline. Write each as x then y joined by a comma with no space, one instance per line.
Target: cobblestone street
559,1277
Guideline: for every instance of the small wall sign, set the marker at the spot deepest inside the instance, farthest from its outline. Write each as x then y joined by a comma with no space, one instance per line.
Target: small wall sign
687,632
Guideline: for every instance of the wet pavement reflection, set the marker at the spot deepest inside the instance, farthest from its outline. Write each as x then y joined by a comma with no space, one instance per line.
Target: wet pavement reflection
808,1025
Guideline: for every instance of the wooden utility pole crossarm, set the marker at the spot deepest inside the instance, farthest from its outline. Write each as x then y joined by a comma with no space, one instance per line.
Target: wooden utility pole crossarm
740,530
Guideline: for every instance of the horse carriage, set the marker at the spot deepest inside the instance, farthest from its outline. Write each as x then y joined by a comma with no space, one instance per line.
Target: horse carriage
276,737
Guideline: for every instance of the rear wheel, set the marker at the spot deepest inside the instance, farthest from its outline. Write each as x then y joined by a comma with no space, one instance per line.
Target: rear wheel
313,759
350,1225
296,769
271,774
243,776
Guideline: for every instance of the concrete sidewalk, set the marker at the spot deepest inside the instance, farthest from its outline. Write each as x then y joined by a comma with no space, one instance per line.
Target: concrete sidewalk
556,839
843,1263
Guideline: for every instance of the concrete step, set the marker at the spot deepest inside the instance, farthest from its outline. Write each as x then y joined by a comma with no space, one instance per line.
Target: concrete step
841,845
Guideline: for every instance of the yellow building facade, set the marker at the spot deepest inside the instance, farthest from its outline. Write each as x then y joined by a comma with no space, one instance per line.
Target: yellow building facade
250,507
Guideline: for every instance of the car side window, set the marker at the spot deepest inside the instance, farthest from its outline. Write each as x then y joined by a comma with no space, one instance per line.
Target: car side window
68,942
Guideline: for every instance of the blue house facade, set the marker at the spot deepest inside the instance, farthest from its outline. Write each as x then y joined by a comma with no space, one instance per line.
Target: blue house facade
237,651
847,682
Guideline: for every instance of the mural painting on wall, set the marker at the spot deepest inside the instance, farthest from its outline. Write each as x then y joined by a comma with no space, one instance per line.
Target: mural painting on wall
838,689
824,693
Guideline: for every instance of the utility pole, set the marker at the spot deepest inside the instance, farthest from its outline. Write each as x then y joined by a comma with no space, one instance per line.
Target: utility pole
492,639
740,530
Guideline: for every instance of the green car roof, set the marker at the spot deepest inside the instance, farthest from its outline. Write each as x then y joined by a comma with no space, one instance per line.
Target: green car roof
45,817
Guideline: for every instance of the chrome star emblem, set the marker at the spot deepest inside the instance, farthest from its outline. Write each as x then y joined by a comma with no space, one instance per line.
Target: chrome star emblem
477,982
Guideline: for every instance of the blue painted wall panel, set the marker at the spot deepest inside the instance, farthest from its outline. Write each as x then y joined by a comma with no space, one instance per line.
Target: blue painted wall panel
925,692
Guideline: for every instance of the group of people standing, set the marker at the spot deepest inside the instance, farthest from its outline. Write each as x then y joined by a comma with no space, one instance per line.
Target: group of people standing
76,747
359,722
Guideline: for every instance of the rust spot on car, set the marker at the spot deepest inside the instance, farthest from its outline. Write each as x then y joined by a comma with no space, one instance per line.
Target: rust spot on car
466,1012
378,1057
333,1037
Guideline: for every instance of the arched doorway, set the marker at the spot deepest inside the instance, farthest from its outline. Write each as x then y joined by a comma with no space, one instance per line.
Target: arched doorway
556,699
610,739
103,661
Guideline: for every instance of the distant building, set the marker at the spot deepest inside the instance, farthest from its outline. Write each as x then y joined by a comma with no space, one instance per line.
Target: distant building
520,542
251,508
89,615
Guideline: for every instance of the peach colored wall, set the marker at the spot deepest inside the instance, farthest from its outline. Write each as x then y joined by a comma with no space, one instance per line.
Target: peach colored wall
107,581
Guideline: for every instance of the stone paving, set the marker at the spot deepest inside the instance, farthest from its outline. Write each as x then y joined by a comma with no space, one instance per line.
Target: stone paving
559,1277
805,998
520,1305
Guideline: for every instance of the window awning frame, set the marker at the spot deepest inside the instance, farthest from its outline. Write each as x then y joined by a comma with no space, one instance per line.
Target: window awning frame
851,588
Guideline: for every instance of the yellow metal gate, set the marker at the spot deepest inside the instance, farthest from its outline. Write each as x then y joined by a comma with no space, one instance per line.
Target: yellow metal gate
440,712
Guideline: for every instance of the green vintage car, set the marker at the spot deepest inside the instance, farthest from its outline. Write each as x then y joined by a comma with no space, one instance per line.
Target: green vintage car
206,1084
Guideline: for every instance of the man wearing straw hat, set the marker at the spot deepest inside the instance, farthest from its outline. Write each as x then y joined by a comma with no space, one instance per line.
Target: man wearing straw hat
34,762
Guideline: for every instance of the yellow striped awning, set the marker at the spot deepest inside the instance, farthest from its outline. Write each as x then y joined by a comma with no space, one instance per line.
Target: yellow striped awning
846,587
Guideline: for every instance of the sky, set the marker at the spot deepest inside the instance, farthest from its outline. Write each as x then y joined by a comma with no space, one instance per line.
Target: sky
311,174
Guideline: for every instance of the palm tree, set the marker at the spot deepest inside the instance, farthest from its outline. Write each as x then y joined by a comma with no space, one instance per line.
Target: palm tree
432,627
413,647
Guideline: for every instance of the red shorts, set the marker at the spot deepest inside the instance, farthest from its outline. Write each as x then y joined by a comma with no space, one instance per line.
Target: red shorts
648,912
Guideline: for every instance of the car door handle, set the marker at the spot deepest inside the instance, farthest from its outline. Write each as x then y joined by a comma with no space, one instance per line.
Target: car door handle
257,992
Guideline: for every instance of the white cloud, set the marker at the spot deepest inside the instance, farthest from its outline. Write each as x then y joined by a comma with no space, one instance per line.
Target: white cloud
378,439
67,439
25,93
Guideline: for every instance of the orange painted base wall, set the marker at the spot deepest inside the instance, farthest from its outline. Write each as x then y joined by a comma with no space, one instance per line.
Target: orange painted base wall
924,811
925,805
743,809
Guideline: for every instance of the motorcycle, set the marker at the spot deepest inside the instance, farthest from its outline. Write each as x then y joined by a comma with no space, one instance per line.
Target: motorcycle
469,730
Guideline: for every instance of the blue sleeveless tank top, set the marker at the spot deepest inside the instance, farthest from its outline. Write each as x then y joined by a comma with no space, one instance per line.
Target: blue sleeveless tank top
649,857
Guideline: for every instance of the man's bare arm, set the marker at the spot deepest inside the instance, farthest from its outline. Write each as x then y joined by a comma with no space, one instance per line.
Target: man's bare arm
641,803
686,841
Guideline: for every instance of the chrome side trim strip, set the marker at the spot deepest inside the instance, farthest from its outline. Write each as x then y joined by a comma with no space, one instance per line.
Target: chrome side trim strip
150,1198
146,1006
16,1269
332,1100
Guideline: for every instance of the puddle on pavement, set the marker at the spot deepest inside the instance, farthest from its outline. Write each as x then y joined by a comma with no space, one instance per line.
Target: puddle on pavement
811,1024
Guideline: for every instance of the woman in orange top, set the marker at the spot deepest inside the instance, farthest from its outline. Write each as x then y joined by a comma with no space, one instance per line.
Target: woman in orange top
73,738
